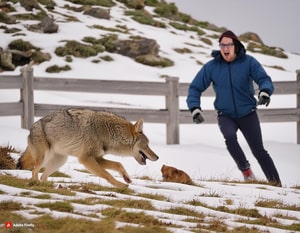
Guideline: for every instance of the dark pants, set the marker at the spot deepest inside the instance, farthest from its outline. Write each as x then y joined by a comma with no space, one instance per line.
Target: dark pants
250,128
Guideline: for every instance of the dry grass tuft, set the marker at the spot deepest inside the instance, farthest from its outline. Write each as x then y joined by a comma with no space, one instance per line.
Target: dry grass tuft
6,161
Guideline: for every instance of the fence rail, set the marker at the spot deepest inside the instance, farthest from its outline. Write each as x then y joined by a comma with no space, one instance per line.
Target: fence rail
171,89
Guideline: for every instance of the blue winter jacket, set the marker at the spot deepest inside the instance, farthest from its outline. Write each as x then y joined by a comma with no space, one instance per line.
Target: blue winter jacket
232,83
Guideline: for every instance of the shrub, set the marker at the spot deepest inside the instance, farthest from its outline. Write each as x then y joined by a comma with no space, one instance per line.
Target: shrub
264,49
106,3
22,45
144,17
6,161
57,69
166,10
78,49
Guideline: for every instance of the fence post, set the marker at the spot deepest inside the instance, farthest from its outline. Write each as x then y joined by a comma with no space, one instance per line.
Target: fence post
27,118
298,106
172,106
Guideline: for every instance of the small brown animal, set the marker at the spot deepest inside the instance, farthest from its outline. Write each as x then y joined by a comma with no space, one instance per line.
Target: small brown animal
172,174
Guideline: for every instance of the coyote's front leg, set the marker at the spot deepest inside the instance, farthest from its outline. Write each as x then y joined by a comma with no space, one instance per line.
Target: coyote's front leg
116,166
93,166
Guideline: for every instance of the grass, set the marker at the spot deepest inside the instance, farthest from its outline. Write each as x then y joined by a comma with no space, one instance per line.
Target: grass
271,222
10,206
296,187
107,58
78,49
138,218
40,196
47,187
6,161
91,187
111,205
153,196
106,3
135,204
58,206
185,212
57,69
186,27
267,50
118,203
121,29
276,204
248,212
22,45
143,17
215,225
48,224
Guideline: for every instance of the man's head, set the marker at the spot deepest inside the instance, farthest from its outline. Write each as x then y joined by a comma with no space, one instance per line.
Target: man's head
229,46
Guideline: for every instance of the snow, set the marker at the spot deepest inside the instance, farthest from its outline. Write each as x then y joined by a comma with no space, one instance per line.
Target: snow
201,152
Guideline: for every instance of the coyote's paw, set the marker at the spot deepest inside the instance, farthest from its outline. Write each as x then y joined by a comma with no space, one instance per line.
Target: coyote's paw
119,184
122,185
126,178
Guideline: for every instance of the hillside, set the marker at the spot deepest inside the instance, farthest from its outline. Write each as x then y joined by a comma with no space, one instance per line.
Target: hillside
44,35
85,47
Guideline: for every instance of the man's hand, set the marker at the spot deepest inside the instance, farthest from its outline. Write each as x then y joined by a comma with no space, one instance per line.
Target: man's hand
263,98
197,117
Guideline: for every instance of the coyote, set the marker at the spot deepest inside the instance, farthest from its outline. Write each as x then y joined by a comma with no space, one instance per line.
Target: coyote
89,135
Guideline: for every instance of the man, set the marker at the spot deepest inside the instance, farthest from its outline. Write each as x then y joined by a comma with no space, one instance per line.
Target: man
232,73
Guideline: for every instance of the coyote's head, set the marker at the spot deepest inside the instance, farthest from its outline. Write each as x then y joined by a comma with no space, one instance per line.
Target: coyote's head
141,147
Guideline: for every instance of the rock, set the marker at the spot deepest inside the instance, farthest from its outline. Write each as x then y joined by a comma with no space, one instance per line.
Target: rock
48,26
137,47
98,13
7,19
136,4
6,60
250,36
29,5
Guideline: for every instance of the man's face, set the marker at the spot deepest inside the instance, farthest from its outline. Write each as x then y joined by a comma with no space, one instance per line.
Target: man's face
227,49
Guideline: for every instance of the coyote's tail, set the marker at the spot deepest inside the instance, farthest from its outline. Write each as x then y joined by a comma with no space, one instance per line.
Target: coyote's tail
26,160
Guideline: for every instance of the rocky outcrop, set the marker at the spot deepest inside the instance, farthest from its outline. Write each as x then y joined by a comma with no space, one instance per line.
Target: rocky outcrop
47,25
29,5
142,50
98,12
135,4
7,19
6,60
19,53
137,47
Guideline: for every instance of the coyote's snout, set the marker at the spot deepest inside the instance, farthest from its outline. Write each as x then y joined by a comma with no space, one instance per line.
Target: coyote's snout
89,135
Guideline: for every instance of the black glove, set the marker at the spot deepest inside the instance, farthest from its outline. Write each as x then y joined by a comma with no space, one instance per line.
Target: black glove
263,98
197,117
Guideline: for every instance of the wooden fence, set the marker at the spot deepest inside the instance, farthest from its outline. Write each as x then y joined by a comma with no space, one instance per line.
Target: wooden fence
171,89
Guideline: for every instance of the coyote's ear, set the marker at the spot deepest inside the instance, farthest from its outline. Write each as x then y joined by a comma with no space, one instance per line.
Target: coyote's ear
138,126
